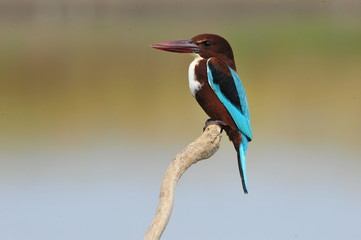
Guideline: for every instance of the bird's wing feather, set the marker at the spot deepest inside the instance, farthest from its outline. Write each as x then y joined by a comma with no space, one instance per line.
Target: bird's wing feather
231,93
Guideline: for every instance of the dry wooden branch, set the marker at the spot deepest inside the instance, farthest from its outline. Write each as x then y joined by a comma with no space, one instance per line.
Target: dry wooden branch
202,148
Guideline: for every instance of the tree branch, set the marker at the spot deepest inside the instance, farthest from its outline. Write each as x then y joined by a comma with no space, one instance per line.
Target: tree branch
201,148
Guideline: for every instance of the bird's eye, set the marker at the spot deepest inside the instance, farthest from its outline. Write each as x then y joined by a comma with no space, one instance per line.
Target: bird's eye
207,43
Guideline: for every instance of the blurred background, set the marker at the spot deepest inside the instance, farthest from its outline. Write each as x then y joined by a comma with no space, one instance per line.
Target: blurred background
91,116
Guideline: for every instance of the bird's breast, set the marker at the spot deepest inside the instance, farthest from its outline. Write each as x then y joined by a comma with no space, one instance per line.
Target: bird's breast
194,84
204,94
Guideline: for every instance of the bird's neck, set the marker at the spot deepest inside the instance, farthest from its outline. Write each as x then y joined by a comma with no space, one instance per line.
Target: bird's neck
195,83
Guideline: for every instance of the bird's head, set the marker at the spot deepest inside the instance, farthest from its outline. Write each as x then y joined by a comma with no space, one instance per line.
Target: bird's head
205,45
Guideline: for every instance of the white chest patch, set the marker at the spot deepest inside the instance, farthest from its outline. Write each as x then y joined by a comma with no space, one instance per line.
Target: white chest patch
194,85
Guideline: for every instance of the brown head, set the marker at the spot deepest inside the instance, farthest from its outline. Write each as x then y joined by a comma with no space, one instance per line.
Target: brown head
205,45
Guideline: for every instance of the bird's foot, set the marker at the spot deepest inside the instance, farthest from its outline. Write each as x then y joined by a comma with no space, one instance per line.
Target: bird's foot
214,122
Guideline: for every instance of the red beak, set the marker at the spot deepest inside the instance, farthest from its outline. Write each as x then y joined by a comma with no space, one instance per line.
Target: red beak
180,46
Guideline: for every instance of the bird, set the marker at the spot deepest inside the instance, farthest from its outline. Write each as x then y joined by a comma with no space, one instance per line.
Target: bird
215,84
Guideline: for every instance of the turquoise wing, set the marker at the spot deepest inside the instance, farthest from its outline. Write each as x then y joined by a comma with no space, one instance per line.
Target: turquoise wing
231,93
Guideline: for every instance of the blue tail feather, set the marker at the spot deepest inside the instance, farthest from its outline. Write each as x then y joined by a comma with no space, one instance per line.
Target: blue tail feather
242,162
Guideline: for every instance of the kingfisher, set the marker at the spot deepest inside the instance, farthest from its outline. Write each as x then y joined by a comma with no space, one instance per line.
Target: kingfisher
216,86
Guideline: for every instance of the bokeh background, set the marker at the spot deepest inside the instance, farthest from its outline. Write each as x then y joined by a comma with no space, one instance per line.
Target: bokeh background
90,117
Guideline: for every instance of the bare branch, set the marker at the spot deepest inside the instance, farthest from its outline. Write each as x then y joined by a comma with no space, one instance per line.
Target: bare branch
202,148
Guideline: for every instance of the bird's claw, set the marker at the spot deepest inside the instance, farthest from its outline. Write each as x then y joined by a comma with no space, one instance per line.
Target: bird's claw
214,122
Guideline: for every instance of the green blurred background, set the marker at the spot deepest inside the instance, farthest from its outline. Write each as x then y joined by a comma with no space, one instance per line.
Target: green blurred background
90,117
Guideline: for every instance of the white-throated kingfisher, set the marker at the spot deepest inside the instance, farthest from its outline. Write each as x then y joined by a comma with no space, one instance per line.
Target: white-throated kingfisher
214,83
